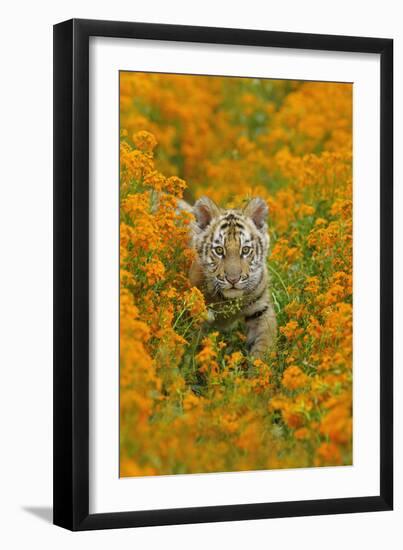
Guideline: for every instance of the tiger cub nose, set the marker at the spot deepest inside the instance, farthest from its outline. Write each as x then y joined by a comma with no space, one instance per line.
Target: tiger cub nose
233,280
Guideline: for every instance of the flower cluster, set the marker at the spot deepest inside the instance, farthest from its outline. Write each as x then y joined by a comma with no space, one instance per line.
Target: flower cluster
192,399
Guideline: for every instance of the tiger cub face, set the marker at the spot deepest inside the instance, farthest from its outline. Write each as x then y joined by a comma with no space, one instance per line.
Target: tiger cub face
231,246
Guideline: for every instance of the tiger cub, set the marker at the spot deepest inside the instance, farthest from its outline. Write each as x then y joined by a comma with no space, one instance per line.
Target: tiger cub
231,269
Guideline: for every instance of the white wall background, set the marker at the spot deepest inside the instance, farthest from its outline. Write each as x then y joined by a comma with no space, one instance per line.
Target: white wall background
26,274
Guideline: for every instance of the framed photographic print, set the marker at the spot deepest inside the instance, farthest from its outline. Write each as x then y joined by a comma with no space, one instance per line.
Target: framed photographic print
223,322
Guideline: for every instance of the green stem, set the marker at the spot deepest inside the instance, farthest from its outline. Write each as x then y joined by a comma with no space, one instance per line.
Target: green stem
178,318
280,279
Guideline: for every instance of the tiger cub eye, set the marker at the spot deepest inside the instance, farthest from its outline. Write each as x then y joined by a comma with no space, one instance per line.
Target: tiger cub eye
219,250
245,250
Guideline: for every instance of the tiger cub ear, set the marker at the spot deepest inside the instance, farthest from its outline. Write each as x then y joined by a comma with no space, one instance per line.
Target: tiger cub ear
205,210
258,211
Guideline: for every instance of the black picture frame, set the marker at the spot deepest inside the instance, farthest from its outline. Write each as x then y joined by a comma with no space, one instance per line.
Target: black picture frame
71,274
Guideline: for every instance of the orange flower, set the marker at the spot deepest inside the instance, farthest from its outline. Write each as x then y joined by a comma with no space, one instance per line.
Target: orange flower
291,330
294,378
302,433
194,302
206,358
155,271
312,285
193,401
145,141
328,454
175,186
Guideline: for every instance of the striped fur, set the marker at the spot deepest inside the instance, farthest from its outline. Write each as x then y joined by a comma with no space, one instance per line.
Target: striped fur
231,268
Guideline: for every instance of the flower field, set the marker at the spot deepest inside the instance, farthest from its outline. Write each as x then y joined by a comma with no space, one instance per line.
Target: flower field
191,399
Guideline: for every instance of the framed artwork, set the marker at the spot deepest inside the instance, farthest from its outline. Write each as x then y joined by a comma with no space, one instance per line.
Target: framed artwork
223,322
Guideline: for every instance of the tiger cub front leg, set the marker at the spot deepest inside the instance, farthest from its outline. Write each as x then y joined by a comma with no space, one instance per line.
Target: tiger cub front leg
262,330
